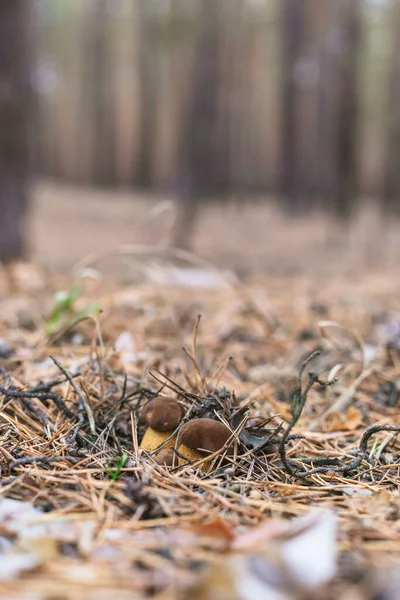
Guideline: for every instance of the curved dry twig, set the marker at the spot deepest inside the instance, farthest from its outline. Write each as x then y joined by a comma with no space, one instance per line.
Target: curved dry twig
299,400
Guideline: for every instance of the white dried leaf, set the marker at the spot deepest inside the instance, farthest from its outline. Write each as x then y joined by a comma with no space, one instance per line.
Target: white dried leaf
14,563
15,515
282,558
310,556
125,342
353,491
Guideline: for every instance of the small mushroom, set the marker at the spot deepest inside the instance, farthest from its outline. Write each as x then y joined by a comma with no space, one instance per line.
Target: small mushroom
162,416
200,437
166,457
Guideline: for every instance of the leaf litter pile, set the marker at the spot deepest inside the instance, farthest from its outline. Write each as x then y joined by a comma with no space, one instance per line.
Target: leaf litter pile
249,453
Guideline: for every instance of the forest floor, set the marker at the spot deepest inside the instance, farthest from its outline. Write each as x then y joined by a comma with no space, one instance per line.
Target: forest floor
303,499
68,223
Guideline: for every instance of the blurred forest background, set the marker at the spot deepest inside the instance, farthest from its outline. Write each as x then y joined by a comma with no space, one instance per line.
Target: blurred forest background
294,104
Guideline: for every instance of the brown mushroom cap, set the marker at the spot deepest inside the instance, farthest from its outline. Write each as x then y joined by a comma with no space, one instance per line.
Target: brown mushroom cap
204,434
162,414
166,457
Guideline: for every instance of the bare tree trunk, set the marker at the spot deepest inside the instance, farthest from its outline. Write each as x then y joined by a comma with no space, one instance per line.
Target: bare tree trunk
327,108
348,112
198,152
311,78
391,176
293,23
14,120
148,88
99,117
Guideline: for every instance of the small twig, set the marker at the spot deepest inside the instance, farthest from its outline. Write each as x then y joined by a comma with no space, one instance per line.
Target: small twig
43,459
64,330
178,388
360,453
300,398
179,455
197,372
344,399
84,403
12,393
147,392
220,371
305,362
383,445
374,429
45,387
198,377
323,460
79,426
38,412
6,375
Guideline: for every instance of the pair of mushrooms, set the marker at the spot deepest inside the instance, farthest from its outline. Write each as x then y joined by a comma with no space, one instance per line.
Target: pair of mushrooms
196,439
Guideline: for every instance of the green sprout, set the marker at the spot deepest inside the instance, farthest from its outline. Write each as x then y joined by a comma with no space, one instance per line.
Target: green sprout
64,314
116,472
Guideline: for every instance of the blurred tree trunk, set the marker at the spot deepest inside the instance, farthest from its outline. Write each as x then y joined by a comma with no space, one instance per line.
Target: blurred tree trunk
147,96
293,24
198,162
327,107
308,79
14,120
97,87
231,30
346,154
391,176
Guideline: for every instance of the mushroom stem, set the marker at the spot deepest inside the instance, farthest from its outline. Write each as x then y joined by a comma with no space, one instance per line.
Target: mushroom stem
152,439
192,456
